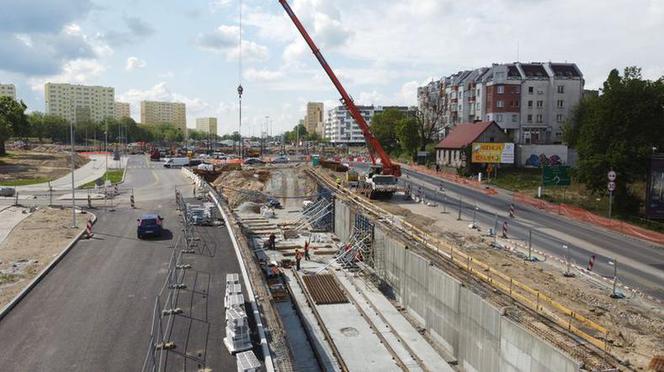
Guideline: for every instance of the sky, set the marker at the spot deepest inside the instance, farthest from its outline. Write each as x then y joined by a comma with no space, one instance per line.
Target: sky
187,50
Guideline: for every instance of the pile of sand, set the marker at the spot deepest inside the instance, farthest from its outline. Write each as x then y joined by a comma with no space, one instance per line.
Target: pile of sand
241,187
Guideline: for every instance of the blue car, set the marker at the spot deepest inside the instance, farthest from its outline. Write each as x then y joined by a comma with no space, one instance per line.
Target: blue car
150,224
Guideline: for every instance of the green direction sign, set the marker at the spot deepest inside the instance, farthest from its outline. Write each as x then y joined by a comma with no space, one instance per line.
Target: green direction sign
556,176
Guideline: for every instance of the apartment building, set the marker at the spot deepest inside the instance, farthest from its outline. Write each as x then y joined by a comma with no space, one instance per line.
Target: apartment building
8,90
315,118
153,112
341,128
122,110
76,103
530,101
207,125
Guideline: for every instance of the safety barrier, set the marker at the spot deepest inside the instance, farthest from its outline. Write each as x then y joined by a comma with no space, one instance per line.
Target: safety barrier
529,297
585,216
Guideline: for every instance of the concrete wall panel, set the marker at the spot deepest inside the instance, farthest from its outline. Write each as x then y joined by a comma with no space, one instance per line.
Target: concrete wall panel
343,220
479,343
415,285
442,319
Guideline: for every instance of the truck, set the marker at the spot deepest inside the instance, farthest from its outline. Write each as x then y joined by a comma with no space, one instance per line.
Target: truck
176,162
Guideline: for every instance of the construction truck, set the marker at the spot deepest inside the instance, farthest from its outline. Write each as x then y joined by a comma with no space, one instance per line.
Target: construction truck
382,180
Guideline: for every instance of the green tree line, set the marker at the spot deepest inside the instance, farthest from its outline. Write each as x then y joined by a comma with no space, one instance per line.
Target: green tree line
618,130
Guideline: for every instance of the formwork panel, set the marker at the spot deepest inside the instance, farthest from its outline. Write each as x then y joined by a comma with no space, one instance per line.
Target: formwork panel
415,293
442,318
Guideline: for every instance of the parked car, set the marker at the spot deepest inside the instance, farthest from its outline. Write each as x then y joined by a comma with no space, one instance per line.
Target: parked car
280,160
7,191
176,162
150,224
253,161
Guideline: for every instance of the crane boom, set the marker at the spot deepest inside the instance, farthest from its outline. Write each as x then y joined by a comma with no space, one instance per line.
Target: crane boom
375,149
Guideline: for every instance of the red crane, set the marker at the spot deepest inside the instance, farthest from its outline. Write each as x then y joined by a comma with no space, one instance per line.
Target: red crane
375,149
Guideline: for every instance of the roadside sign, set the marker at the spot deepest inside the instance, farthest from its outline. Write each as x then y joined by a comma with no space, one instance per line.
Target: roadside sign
556,176
612,186
612,176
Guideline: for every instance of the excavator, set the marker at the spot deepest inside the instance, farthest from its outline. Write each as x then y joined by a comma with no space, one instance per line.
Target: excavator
382,179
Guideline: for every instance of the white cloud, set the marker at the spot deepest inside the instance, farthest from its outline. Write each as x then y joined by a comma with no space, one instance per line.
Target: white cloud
134,63
226,39
195,106
262,75
78,71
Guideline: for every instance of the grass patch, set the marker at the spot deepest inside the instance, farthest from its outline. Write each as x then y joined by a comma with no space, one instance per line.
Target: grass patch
9,278
518,179
114,175
25,181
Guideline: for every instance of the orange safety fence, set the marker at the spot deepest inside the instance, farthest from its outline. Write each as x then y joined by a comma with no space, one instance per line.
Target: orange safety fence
585,216
455,178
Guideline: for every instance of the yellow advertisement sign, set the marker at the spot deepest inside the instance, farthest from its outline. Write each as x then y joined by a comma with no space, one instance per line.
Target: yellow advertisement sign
493,153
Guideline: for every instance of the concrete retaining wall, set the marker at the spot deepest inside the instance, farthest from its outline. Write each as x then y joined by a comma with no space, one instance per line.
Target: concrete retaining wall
343,220
470,328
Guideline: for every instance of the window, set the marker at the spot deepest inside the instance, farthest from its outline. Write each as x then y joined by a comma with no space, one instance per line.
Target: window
514,118
530,118
561,89
515,103
540,104
517,89
501,89
499,118
559,118
539,118
530,104
531,90
492,139
500,104
561,103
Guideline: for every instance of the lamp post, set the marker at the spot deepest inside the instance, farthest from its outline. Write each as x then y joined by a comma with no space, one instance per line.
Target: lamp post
73,167
240,90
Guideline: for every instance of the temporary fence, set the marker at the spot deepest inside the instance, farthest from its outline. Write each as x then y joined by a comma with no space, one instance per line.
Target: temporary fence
546,306
585,216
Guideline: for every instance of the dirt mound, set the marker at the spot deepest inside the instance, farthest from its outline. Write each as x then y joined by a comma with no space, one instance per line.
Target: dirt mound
243,186
43,165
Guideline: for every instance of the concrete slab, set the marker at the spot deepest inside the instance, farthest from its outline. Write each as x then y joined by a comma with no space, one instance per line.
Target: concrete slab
360,347
398,324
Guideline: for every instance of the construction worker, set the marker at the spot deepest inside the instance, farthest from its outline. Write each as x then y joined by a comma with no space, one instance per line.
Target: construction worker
298,258
273,242
338,182
306,251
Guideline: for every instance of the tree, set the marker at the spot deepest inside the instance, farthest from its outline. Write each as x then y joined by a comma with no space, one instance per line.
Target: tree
13,121
429,119
617,130
407,135
384,128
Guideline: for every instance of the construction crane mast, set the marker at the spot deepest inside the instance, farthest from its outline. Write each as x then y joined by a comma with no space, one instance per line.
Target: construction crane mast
375,149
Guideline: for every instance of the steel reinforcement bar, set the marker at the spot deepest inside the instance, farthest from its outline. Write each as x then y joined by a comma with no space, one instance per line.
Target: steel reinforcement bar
531,298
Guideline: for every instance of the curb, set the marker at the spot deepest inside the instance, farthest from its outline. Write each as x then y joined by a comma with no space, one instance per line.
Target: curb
5,310
254,306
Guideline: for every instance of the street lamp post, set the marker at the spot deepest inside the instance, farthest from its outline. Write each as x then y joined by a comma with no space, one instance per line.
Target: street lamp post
568,273
73,167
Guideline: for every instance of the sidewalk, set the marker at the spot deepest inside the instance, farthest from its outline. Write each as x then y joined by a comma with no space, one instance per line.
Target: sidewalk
91,171
9,218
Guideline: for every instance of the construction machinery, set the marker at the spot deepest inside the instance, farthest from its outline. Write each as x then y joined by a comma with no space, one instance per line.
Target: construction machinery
382,179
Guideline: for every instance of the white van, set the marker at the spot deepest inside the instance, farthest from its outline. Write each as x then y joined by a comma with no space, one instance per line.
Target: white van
176,162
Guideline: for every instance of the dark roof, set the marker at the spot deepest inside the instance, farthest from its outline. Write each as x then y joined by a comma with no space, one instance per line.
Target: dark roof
463,135
512,71
564,70
534,70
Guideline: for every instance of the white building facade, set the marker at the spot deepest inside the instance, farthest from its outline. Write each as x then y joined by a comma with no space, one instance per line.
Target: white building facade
122,110
76,103
341,128
531,101
8,90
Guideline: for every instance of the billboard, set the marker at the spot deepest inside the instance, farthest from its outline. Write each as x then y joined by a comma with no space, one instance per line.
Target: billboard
493,153
556,176
655,188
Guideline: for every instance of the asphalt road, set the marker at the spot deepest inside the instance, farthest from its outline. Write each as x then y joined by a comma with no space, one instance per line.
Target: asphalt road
93,311
640,264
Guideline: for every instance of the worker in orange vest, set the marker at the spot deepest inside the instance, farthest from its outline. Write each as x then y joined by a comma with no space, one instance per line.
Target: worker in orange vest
298,258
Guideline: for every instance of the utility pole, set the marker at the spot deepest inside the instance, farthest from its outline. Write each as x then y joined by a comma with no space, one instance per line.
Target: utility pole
568,273
73,168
